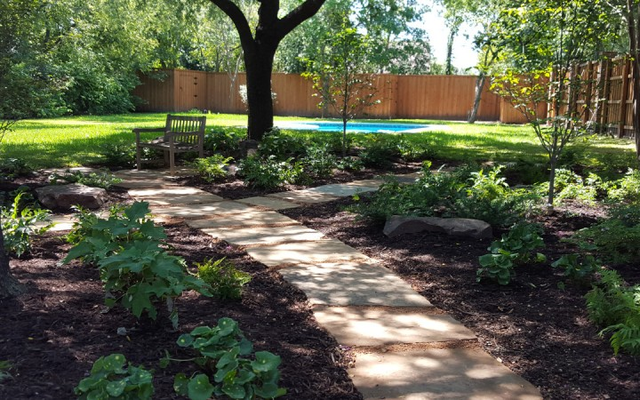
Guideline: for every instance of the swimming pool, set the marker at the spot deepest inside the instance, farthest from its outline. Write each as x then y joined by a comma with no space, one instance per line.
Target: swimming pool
358,127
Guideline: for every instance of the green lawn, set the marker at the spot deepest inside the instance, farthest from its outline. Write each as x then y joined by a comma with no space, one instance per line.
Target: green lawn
73,141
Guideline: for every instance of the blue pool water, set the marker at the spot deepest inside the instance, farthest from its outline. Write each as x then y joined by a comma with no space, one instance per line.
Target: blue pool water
360,127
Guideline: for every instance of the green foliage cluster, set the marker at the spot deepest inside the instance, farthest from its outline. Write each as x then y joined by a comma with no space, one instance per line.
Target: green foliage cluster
212,168
615,306
514,248
225,355
119,155
269,172
102,179
578,268
626,188
225,279
225,140
19,223
569,185
464,193
134,266
11,168
616,239
319,161
112,379
5,367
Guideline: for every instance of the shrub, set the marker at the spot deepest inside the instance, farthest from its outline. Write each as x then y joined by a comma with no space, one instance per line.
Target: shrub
135,269
461,193
11,168
225,279
514,248
227,357
616,306
379,151
270,173
225,140
614,240
319,161
569,185
577,268
211,168
110,379
627,188
119,155
525,172
102,179
19,224
350,164
282,146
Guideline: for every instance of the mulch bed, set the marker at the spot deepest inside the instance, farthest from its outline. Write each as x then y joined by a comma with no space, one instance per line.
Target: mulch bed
54,332
536,329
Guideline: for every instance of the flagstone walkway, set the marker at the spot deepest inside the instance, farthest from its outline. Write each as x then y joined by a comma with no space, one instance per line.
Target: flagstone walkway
405,347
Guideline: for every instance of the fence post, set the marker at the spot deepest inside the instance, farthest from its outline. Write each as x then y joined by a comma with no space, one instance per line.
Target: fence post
602,106
622,116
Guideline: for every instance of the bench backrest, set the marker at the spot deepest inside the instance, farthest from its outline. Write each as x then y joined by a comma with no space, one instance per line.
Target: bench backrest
185,129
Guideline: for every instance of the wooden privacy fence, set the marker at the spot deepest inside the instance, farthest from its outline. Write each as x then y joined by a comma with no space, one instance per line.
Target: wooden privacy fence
402,96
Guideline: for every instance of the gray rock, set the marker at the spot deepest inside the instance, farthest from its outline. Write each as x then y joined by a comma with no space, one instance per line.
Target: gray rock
400,225
66,196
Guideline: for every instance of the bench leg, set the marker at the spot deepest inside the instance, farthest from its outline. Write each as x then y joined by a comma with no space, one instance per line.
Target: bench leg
138,158
172,162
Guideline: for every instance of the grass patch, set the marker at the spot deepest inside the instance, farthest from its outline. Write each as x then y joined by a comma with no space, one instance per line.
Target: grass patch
74,141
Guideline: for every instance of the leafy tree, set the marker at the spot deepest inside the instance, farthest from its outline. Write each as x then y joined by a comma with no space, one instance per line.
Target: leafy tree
544,39
341,78
259,46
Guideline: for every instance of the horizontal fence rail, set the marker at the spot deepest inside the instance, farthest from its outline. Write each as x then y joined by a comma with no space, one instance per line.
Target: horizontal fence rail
412,96
447,97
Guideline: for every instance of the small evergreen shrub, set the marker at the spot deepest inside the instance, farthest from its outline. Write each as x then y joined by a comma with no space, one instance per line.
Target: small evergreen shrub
225,279
613,239
282,146
225,140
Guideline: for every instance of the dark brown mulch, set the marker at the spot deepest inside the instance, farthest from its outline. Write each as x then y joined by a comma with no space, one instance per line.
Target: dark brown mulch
536,329
54,332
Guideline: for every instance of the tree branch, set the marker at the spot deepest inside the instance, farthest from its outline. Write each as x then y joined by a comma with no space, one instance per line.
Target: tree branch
239,20
298,15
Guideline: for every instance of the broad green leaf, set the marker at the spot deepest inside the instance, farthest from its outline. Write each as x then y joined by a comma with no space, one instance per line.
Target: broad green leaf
265,361
180,384
116,388
200,388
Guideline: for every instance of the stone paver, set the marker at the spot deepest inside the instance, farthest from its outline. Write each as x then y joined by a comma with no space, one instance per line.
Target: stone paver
61,222
250,218
367,326
153,173
355,283
167,191
143,183
181,200
304,252
343,189
305,196
438,374
272,203
200,210
260,235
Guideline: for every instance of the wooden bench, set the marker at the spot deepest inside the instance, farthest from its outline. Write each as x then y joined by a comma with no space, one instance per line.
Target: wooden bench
181,135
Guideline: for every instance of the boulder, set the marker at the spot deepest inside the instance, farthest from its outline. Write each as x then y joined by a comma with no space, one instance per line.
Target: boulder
66,196
400,225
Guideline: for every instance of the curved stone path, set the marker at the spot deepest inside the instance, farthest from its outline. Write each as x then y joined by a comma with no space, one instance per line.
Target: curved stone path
405,348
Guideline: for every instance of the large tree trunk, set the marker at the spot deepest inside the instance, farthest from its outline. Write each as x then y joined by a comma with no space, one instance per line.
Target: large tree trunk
482,78
9,286
259,67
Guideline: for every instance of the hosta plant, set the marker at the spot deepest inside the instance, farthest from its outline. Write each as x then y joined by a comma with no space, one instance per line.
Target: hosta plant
230,367
111,379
